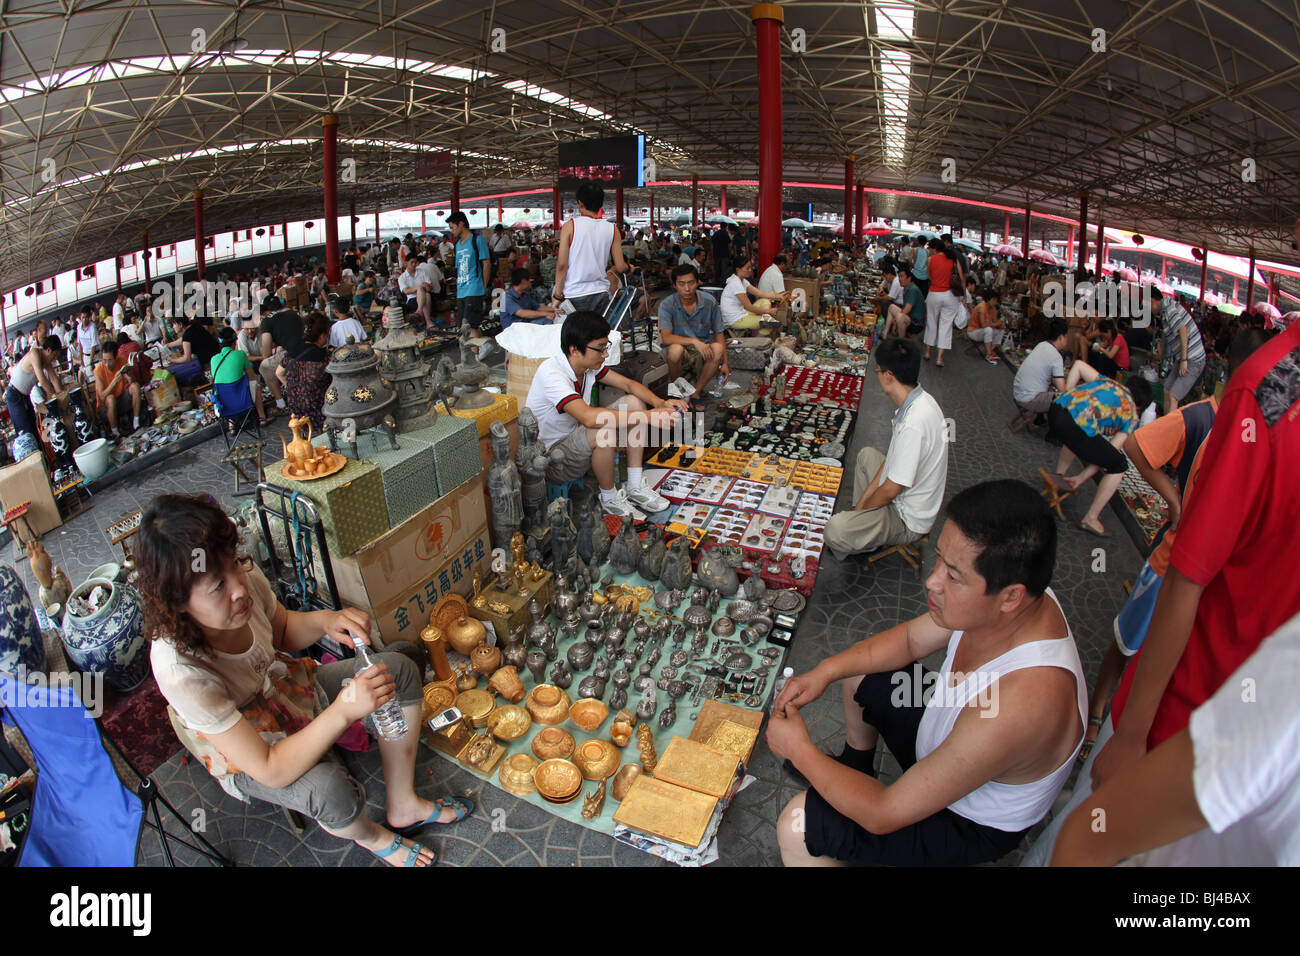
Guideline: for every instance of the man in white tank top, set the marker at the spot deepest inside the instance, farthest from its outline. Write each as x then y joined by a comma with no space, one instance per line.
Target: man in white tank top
985,744
587,242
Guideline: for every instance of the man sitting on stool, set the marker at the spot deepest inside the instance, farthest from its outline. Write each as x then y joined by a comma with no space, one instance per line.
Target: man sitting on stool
896,495
985,744
689,318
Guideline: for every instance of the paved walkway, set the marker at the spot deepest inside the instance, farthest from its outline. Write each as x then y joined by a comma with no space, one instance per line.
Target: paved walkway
971,392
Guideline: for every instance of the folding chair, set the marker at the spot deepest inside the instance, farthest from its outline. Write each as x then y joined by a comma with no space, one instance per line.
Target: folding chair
82,813
911,553
235,406
1055,494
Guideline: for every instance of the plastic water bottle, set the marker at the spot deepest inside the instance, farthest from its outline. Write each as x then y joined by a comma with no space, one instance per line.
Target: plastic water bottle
389,719
779,686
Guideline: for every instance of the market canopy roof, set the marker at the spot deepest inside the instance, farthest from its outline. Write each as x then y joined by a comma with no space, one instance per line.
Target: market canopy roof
1183,126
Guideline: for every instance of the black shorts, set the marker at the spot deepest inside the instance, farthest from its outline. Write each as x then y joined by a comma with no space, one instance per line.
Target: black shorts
471,311
1091,449
944,839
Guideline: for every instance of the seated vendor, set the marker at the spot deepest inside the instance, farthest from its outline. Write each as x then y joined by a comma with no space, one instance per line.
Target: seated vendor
986,754
262,720
579,436
113,379
1093,420
1041,376
985,325
739,312
519,305
896,495
690,318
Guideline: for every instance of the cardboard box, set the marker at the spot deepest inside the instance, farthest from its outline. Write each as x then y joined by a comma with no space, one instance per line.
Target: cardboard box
449,537
28,481
812,289
519,376
406,612
350,503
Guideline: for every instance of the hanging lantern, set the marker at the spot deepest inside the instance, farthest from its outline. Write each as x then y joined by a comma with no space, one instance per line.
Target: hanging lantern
1138,240
260,232
309,225
527,211
29,292
1198,254
441,214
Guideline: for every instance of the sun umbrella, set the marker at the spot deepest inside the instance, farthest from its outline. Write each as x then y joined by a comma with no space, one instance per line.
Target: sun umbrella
1286,320
970,244
523,224
679,218
796,223
723,220
1007,249
1127,274
1213,298
1043,255
922,234
1231,308
878,228
1267,310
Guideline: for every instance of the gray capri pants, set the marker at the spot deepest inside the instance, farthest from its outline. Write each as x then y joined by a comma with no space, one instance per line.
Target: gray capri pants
327,792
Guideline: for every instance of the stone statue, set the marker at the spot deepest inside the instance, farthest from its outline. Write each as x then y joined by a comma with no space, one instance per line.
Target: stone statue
586,527
676,571
564,538
626,549
533,553
531,460
504,488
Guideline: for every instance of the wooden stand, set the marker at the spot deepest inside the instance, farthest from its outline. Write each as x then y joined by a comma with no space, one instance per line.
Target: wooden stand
911,553
1054,493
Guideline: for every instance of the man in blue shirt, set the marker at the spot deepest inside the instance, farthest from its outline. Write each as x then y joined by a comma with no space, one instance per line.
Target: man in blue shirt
691,319
519,304
473,272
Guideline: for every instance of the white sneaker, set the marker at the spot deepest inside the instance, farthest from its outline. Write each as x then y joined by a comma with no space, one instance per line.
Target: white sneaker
646,498
621,506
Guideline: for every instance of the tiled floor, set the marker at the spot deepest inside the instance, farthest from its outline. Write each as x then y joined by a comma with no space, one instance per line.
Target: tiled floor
505,830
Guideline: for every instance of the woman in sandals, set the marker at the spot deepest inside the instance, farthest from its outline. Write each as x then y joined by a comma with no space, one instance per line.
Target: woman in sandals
263,721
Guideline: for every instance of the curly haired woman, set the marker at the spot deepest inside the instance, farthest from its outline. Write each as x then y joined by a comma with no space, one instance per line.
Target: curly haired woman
263,721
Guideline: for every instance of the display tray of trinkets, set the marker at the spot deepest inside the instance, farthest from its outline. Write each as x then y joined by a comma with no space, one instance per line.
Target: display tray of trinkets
604,685
844,391
1144,503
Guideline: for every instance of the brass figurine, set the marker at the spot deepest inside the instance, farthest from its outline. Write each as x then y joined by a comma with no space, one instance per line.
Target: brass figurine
593,803
645,742
478,600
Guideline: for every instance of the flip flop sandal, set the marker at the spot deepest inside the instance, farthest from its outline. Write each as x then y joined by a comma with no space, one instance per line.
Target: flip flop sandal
412,852
462,806
1094,531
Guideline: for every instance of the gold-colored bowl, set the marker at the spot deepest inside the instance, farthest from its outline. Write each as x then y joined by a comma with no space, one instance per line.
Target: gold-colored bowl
624,779
477,706
440,695
552,743
516,774
596,758
588,713
509,722
548,704
557,780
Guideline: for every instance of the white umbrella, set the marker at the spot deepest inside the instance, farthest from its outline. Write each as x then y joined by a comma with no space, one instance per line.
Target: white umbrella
723,220
796,223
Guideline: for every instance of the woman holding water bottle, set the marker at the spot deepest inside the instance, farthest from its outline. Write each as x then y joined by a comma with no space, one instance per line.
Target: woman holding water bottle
263,721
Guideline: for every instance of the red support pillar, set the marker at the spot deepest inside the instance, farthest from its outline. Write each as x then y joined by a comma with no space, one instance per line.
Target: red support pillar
501,210
1101,243
652,212
1205,267
860,213
1250,282
1069,246
768,18
286,235
424,220
333,268
352,223
1006,227
618,212
144,256
198,232
1083,230
695,202
1024,243
555,205
722,202
455,193
848,197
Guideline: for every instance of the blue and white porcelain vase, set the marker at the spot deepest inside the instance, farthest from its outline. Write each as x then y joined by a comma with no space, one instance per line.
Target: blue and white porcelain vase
20,635
82,426
109,641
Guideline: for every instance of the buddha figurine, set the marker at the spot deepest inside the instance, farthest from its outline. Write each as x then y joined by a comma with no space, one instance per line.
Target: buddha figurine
504,489
531,460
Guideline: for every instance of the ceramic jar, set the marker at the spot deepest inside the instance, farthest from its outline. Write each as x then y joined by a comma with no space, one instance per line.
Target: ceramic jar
110,640
20,635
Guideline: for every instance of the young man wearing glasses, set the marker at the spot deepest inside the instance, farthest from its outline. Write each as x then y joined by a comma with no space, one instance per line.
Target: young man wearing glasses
579,436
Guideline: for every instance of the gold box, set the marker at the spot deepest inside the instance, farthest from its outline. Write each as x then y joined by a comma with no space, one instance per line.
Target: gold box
663,810
517,603
450,740
690,764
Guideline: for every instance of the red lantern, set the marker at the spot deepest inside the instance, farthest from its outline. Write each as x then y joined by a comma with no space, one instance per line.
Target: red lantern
1138,240
309,225
441,214
1198,254
527,211
260,232
29,292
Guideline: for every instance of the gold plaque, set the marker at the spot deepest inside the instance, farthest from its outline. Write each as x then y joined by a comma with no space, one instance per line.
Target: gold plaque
661,809
715,712
731,738
694,766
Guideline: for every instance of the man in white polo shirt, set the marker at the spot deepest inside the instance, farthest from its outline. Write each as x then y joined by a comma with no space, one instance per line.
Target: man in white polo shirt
579,436
772,281
896,495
